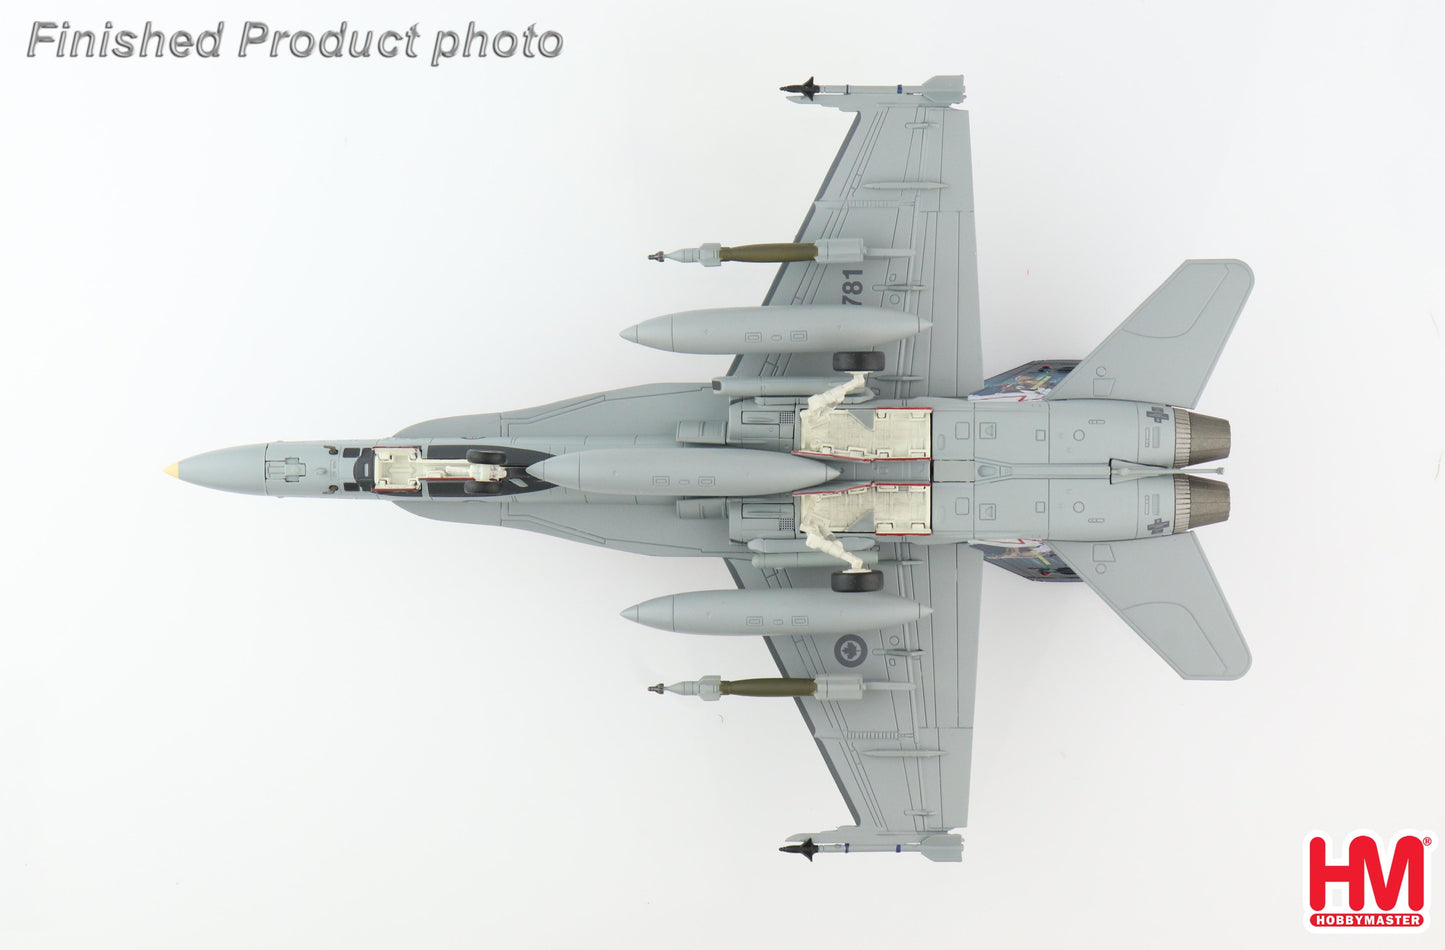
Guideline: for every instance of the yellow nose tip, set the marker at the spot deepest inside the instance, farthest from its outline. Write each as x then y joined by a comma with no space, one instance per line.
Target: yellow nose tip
173,470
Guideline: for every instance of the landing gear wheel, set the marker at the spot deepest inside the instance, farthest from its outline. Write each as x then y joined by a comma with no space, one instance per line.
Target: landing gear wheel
482,488
851,582
479,457
859,361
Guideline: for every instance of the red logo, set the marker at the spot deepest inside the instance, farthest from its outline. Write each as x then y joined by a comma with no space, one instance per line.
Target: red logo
1356,887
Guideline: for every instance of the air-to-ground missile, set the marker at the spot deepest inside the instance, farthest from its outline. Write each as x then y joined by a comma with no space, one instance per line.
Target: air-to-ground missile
682,471
824,251
783,329
802,611
828,688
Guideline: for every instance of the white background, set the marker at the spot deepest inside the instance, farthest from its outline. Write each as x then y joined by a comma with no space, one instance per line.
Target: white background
229,721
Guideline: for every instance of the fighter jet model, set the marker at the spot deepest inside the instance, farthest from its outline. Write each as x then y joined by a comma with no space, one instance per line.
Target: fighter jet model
855,469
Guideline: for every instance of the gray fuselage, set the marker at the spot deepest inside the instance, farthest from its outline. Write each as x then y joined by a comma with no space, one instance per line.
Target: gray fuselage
1011,471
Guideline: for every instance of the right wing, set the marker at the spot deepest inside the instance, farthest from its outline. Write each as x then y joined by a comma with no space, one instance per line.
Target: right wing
902,179
1164,589
1167,348
901,758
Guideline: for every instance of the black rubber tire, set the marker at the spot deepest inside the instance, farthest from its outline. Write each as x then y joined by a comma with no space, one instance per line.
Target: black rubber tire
483,488
859,361
847,582
480,457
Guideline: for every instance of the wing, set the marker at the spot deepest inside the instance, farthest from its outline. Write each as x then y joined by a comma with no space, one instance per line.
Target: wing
902,179
1167,348
901,758
1164,589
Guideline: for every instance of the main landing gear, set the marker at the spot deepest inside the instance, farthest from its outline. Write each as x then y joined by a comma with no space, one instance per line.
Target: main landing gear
857,582
859,361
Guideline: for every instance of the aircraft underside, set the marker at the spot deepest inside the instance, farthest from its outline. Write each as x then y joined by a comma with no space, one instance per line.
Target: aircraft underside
1003,470
855,469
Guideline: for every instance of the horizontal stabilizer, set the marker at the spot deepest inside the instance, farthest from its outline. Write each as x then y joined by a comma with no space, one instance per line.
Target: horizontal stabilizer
1164,589
1167,348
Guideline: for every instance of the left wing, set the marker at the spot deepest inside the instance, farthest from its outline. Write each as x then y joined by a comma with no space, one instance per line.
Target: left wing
900,757
902,179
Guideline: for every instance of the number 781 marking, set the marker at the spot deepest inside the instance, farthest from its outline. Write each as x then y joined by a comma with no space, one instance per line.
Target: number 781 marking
852,287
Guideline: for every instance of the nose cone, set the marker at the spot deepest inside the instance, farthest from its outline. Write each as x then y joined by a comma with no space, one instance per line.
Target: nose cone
241,468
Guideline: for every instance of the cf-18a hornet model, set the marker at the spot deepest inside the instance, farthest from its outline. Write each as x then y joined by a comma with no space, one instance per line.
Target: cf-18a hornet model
855,469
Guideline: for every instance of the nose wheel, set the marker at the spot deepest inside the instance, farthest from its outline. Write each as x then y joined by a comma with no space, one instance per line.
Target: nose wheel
857,582
481,457
482,488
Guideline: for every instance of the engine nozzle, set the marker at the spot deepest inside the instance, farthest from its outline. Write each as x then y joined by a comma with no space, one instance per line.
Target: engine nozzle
1199,438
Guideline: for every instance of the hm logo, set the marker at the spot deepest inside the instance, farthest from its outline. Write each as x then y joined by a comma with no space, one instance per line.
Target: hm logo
1367,892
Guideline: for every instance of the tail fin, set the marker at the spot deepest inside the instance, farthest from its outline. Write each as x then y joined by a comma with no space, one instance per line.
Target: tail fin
1167,348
